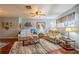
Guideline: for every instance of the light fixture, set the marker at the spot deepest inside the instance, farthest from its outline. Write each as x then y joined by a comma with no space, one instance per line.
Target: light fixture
68,30
37,13
28,7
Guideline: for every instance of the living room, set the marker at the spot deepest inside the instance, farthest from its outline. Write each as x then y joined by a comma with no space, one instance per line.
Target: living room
39,29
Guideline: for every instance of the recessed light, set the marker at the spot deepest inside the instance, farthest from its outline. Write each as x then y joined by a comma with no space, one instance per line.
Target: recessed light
28,7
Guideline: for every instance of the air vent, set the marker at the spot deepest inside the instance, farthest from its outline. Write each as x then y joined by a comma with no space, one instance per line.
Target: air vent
28,7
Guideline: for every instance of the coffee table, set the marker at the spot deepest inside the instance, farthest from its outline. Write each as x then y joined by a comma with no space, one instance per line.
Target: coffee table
29,40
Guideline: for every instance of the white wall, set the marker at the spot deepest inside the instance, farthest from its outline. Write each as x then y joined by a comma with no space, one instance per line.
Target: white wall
11,32
34,21
74,35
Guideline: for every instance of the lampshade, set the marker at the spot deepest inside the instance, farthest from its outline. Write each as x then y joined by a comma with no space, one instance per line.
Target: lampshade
68,29
71,29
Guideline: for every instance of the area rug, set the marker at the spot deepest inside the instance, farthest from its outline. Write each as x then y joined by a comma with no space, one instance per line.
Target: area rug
43,47
3,44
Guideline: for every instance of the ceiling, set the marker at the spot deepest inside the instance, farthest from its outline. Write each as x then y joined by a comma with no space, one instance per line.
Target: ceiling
50,10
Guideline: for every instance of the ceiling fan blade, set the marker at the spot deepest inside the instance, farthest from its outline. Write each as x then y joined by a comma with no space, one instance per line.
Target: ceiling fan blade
42,14
31,13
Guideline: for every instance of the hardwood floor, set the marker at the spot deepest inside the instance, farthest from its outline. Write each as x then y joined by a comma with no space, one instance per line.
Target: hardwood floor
63,51
6,49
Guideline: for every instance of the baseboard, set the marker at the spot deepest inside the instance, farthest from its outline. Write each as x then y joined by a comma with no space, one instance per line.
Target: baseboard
8,37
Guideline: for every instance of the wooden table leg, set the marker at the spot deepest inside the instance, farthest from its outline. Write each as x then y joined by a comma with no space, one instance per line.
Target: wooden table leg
23,42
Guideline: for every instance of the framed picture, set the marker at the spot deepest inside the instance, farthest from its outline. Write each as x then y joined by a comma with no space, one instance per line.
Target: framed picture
40,25
6,25
28,24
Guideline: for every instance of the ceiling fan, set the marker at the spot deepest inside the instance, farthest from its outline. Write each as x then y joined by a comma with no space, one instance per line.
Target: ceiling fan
37,13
